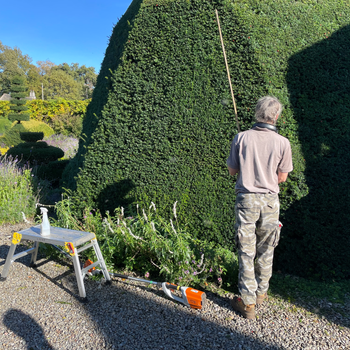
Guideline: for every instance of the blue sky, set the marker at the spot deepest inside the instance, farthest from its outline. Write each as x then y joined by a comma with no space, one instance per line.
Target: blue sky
61,31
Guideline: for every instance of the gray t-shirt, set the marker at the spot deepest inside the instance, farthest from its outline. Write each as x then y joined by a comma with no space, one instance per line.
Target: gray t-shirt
258,154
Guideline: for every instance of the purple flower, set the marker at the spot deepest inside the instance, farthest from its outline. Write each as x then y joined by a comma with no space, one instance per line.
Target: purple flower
187,272
195,273
193,261
220,279
211,270
147,274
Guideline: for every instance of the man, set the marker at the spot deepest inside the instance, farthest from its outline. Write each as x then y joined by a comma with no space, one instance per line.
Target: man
262,159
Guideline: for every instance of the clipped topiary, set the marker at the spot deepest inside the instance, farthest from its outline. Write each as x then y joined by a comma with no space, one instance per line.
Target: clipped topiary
160,123
52,171
37,126
31,136
18,106
35,152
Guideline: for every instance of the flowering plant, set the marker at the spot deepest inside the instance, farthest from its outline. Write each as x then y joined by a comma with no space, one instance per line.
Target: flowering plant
151,245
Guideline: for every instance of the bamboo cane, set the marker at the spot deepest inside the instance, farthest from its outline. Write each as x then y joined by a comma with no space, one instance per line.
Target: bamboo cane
228,71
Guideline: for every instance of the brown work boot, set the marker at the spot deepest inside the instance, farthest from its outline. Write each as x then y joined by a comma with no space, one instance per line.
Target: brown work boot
248,311
261,297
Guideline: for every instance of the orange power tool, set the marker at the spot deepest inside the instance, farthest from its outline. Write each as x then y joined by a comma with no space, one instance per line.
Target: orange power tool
193,298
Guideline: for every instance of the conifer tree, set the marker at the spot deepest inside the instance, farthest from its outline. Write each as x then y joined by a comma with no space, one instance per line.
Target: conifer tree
18,101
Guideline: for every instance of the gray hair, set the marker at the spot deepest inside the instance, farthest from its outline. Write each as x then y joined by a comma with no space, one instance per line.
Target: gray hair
267,109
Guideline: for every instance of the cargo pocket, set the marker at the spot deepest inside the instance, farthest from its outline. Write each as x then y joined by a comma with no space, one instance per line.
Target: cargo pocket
275,236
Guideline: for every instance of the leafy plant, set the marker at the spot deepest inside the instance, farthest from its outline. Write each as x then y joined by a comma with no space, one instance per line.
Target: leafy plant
151,245
19,191
160,122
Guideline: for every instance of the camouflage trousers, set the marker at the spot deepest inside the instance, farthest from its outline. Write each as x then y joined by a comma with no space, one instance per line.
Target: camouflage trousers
257,234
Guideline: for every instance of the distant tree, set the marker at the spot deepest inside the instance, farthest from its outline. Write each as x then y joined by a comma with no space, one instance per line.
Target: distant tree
12,63
45,67
34,80
59,84
85,76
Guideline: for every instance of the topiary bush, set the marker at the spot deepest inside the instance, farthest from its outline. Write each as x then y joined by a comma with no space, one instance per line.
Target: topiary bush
160,123
37,126
35,152
31,136
52,171
18,106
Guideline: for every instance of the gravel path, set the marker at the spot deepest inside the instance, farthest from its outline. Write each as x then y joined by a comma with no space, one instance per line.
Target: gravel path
39,310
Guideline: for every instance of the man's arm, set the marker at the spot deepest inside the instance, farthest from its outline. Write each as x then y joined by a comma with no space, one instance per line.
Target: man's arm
282,177
233,171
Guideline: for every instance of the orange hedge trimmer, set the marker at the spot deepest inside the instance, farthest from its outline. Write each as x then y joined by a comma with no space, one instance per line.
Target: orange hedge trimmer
191,297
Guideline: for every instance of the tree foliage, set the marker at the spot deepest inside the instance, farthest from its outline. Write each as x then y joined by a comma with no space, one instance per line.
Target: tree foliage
46,79
12,63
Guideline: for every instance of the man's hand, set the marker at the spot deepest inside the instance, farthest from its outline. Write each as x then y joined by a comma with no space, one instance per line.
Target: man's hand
233,171
282,177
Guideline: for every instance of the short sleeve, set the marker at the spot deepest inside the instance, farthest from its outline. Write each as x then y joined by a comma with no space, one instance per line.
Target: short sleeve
233,159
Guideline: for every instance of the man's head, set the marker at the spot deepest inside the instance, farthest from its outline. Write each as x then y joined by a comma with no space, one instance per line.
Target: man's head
267,110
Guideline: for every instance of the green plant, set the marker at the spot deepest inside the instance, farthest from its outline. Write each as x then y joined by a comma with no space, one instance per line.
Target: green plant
31,136
63,116
159,125
5,124
152,245
17,103
52,171
19,191
35,152
12,137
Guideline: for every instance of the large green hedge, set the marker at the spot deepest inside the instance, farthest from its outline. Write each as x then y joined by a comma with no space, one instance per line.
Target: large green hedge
161,121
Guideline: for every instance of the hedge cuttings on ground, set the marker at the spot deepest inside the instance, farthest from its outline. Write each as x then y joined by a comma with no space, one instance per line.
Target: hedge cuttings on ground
161,120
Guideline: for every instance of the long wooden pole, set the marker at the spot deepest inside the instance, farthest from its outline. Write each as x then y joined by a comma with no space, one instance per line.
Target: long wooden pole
228,71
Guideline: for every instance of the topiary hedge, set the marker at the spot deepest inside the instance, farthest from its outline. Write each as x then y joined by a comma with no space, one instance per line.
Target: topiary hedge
35,152
161,122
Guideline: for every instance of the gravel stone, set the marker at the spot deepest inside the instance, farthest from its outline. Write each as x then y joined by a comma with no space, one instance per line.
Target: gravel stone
39,309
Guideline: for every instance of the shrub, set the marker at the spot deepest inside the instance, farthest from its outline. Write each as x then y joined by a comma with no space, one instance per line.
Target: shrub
19,191
18,106
152,245
64,116
37,126
68,144
52,171
4,109
35,152
12,137
5,124
31,136
159,126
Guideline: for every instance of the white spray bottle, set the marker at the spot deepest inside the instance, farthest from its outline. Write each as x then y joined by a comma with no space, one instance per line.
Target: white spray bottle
45,224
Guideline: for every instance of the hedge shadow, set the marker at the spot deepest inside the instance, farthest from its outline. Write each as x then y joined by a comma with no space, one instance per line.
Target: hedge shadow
316,234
